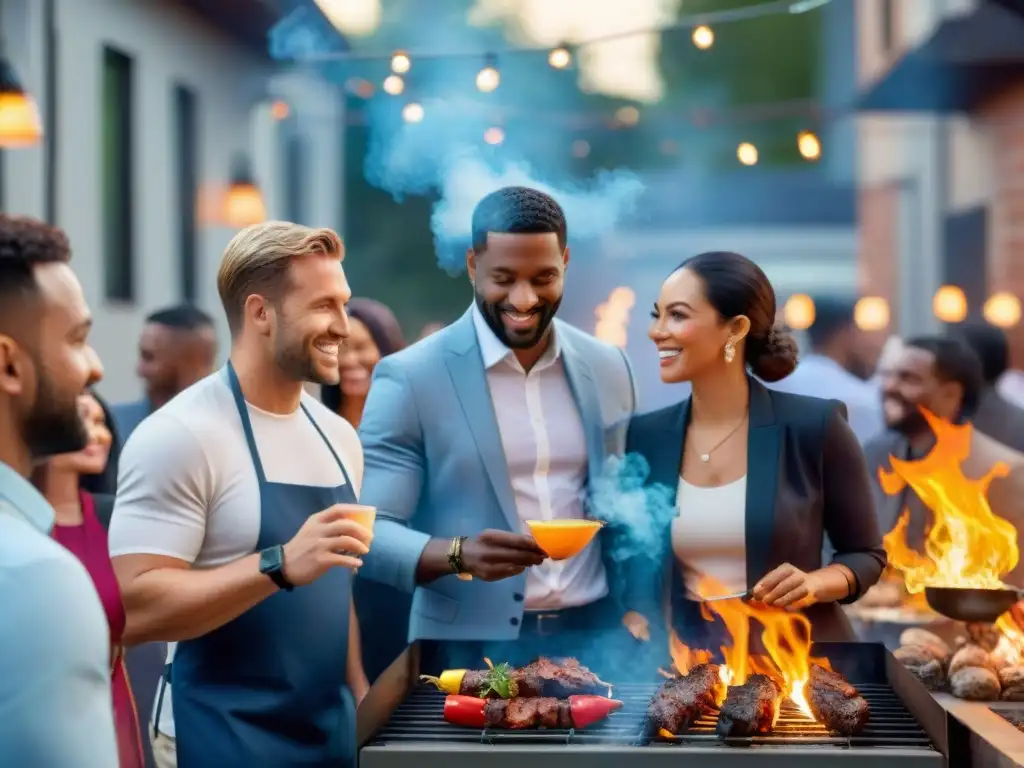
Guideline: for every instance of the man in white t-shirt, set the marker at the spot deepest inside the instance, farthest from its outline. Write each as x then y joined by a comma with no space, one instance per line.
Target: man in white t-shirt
233,536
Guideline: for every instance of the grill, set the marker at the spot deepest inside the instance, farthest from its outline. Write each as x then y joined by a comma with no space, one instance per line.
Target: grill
907,729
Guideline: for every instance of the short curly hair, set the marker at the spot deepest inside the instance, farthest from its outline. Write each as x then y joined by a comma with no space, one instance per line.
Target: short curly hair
517,210
26,243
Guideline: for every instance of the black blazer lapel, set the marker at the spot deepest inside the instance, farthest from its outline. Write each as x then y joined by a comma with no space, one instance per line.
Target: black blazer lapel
763,447
667,457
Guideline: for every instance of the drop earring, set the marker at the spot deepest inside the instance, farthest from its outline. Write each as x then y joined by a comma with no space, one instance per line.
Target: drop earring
730,352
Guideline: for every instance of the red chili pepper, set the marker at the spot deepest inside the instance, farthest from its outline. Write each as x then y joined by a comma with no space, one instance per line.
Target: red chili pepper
587,710
467,711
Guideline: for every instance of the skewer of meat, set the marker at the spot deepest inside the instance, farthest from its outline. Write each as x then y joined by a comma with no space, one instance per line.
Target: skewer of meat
542,677
534,712
835,703
750,709
680,702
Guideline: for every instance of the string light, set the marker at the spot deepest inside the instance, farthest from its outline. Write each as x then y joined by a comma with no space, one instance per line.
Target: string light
580,149
394,85
488,79
279,110
668,147
799,312
359,87
400,62
1002,309
20,124
628,116
703,37
412,112
560,58
747,153
494,135
809,145
950,304
871,313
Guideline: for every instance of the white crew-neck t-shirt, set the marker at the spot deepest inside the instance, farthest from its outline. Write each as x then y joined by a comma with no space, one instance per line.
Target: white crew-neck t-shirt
187,487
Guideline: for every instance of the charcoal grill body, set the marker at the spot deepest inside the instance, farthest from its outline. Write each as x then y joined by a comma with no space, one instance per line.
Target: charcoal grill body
908,729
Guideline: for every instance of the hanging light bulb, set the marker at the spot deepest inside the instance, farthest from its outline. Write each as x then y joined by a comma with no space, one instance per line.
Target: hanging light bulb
400,62
393,85
494,135
747,153
871,313
279,110
950,304
20,124
243,203
560,58
703,37
809,145
628,116
412,112
488,78
799,312
1002,309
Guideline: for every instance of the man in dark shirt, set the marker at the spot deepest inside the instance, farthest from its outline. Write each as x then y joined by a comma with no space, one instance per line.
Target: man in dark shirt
996,417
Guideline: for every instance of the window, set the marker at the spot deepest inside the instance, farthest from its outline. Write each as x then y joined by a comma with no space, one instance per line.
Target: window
887,11
186,169
118,145
296,179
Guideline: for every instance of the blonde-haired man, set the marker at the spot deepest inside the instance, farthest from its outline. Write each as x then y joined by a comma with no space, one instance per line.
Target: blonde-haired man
240,489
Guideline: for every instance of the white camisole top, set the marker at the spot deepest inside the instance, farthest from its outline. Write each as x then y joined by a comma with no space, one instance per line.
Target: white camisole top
709,535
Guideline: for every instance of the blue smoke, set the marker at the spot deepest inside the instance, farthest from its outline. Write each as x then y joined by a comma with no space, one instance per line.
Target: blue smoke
638,516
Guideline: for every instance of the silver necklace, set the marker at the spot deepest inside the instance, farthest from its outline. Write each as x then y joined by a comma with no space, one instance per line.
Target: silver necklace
706,457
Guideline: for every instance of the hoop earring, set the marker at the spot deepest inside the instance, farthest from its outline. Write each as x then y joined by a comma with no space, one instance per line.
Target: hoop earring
730,352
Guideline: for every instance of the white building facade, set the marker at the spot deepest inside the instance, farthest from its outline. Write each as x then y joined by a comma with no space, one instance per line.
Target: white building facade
148,107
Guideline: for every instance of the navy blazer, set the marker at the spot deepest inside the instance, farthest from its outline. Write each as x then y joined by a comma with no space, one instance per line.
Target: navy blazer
806,478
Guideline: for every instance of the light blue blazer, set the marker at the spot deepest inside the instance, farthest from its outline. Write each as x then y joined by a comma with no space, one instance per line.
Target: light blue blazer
434,467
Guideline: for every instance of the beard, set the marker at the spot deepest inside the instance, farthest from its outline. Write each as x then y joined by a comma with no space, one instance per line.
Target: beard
912,422
517,339
293,357
54,425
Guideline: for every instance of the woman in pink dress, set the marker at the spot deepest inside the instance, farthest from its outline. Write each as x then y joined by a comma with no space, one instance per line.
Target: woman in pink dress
78,529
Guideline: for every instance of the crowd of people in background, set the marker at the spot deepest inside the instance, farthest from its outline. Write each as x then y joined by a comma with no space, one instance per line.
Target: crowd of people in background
144,464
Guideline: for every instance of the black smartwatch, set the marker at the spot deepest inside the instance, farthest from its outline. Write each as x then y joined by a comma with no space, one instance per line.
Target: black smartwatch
272,564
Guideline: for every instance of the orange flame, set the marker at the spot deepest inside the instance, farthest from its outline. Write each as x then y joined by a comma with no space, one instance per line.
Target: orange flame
967,546
786,637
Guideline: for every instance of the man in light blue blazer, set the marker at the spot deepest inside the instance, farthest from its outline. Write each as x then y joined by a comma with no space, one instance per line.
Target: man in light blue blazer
506,415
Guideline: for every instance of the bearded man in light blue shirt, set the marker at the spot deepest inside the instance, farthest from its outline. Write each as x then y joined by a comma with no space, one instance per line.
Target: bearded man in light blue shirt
55,695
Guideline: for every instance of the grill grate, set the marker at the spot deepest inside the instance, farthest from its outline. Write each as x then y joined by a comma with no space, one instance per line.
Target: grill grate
420,719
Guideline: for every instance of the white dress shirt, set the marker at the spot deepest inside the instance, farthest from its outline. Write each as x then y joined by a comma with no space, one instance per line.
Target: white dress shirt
820,376
545,448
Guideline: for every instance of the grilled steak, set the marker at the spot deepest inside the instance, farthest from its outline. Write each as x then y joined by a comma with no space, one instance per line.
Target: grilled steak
680,702
560,679
835,703
542,677
750,708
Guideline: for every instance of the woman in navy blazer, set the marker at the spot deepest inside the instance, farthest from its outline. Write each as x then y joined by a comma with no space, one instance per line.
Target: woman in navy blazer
760,477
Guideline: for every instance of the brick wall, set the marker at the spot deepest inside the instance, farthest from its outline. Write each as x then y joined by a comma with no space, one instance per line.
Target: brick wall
1004,116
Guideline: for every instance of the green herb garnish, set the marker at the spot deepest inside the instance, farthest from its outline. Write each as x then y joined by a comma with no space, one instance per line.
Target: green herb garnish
499,682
